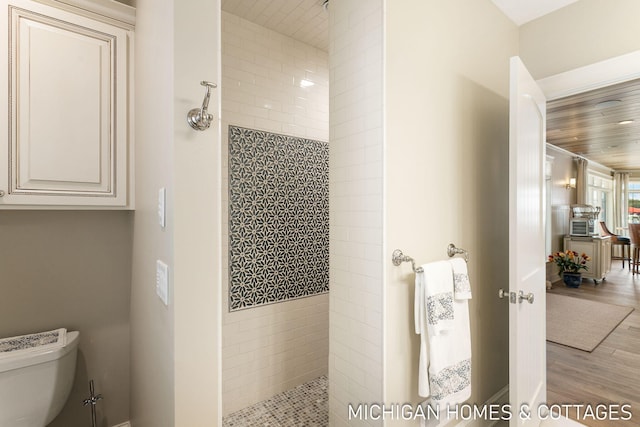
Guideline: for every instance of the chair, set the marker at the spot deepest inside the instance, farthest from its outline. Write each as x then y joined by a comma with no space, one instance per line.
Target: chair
623,242
634,232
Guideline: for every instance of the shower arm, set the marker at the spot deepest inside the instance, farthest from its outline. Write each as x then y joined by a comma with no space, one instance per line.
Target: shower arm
199,118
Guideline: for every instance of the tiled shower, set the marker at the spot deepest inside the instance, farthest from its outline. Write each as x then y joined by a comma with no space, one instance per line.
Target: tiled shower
275,97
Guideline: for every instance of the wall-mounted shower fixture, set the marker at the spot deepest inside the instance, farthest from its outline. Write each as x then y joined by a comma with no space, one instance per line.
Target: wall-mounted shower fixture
199,118
325,4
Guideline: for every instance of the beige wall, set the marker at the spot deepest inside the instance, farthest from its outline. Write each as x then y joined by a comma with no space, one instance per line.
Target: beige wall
73,269
274,347
174,349
564,167
446,177
580,34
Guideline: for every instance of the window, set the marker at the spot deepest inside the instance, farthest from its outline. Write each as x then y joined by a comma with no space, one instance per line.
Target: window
601,194
634,201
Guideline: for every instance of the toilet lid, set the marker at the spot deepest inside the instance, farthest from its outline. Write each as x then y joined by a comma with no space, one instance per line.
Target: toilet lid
37,341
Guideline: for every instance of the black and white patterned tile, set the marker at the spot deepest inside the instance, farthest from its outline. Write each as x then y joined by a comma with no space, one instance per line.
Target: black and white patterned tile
278,217
305,405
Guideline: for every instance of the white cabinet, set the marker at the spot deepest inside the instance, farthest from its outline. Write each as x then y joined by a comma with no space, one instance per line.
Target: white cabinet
66,135
598,248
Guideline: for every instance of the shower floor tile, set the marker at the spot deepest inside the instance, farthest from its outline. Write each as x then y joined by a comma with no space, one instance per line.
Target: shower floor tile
304,405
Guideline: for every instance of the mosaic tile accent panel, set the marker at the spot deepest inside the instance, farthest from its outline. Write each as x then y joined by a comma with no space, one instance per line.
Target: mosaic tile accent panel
303,406
278,217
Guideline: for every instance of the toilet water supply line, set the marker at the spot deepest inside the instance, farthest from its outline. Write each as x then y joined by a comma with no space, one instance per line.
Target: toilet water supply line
93,401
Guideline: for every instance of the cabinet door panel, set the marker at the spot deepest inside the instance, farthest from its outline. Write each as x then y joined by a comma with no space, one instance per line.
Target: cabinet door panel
64,90
62,93
67,117
599,249
590,249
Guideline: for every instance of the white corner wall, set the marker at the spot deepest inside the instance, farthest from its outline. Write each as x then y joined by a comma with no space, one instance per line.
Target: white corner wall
174,348
197,217
356,206
152,369
275,347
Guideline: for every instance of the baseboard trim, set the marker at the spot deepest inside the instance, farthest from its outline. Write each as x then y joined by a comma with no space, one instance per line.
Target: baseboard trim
500,398
125,424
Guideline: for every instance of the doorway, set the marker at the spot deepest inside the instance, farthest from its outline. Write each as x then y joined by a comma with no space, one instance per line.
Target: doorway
572,368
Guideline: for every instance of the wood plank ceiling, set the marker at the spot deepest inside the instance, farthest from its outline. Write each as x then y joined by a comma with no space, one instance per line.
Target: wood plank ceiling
592,124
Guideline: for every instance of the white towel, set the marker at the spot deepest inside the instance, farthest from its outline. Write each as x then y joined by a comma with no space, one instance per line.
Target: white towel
450,361
433,312
438,296
420,319
461,284
445,343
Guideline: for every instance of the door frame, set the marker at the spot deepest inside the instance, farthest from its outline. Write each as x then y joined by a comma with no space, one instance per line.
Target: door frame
589,77
593,76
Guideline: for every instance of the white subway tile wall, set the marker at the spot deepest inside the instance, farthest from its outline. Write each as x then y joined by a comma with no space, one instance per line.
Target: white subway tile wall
266,85
355,205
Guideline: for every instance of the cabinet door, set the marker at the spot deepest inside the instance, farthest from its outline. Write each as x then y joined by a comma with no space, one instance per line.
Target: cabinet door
589,248
67,136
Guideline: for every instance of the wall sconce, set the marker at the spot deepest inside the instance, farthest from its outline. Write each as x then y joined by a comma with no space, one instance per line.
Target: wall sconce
571,184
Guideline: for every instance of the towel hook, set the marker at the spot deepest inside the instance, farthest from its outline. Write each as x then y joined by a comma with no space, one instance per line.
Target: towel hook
199,118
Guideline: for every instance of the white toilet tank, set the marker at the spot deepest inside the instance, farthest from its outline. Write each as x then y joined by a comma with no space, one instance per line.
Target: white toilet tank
36,379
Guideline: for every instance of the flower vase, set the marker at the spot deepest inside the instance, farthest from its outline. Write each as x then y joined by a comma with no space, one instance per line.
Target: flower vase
572,279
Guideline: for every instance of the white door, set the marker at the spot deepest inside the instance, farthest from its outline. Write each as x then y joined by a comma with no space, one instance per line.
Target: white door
527,328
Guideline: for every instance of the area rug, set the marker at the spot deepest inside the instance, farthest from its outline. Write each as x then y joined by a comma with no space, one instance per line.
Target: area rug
579,323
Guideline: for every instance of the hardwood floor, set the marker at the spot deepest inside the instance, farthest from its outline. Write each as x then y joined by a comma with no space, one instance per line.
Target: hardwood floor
611,373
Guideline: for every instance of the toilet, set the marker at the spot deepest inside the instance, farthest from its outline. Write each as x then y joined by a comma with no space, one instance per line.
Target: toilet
36,376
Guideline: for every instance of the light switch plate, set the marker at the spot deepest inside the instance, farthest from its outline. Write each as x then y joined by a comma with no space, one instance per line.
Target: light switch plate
162,281
162,197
